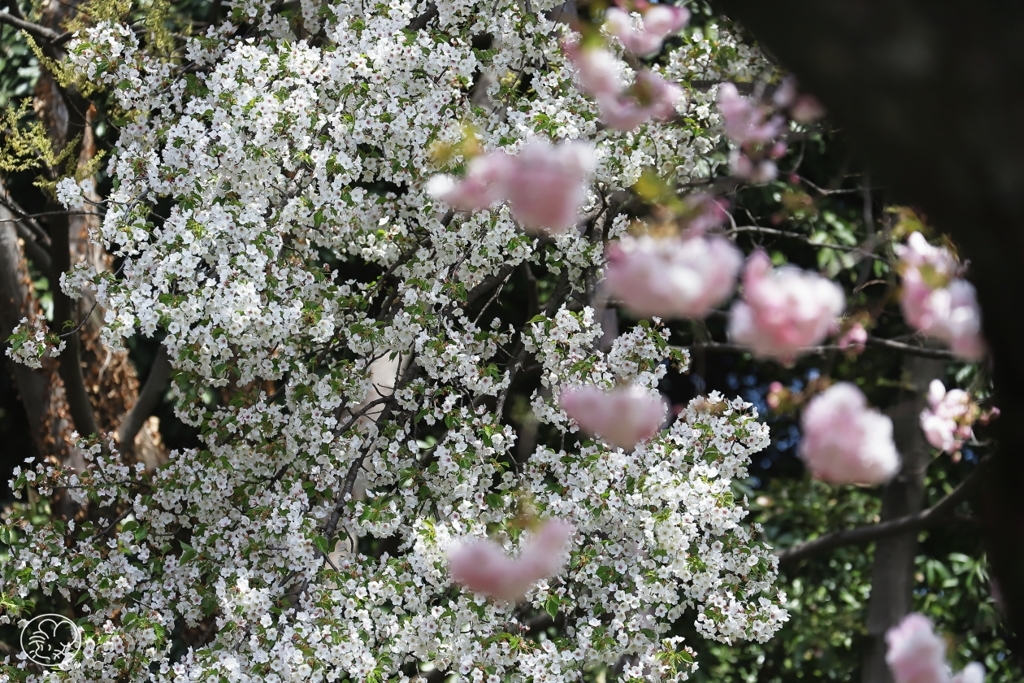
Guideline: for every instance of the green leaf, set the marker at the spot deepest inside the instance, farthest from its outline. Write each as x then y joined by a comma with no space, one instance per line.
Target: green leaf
551,606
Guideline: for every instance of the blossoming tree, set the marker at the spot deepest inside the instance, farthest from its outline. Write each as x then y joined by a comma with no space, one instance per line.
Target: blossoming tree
385,250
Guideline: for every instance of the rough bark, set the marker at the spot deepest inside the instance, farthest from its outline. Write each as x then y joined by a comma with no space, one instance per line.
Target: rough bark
892,570
933,95
102,381
42,391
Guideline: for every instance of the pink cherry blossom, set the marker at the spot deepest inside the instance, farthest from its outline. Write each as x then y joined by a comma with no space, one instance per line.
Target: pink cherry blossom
786,93
657,23
947,421
846,442
802,108
854,338
783,309
743,120
936,302
651,97
483,567
916,654
598,72
622,417
672,278
703,212
547,184
807,109
972,673
483,185
742,166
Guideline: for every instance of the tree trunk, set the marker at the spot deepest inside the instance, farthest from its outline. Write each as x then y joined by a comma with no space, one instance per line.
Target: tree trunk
104,378
933,95
42,391
892,572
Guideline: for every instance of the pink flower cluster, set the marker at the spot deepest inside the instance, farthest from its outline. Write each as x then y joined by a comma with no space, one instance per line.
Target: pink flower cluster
657,23
703,212
483,567
672,278
935,301
650,96
622,417
948,419
544,185
846,442
783,309
854,339
917,655
802,108
747,125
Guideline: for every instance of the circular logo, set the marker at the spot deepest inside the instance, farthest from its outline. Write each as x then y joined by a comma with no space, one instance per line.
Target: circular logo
51,639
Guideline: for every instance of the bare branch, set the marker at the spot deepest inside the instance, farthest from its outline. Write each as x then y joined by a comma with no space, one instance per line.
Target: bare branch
37,31
148,398
923,351
874,532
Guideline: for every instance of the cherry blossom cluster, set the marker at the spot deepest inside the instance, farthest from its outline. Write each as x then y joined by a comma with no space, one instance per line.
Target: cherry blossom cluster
31,341
599,73
301,241
917,655
948,421
937,302
845,441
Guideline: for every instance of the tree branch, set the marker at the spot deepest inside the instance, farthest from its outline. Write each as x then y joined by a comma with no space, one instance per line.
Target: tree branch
875,532
37,31
147,399
922,351
70,360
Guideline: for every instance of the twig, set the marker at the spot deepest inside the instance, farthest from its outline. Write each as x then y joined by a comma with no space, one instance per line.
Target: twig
923,351
865,252
874,532
47,34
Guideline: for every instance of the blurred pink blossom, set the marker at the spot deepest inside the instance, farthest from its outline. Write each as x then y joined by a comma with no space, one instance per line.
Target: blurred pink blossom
854,338
483,185
845,441
786,93
807,109
703,212
742,166
947,421
935,301
483,567
802,108
672,278
597,69
651,97
917,655
743,120
545,185
972,673
657,23
622,417
783,309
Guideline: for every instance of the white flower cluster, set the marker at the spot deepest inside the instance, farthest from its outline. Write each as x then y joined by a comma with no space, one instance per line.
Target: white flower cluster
31,341
69,194
301,248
